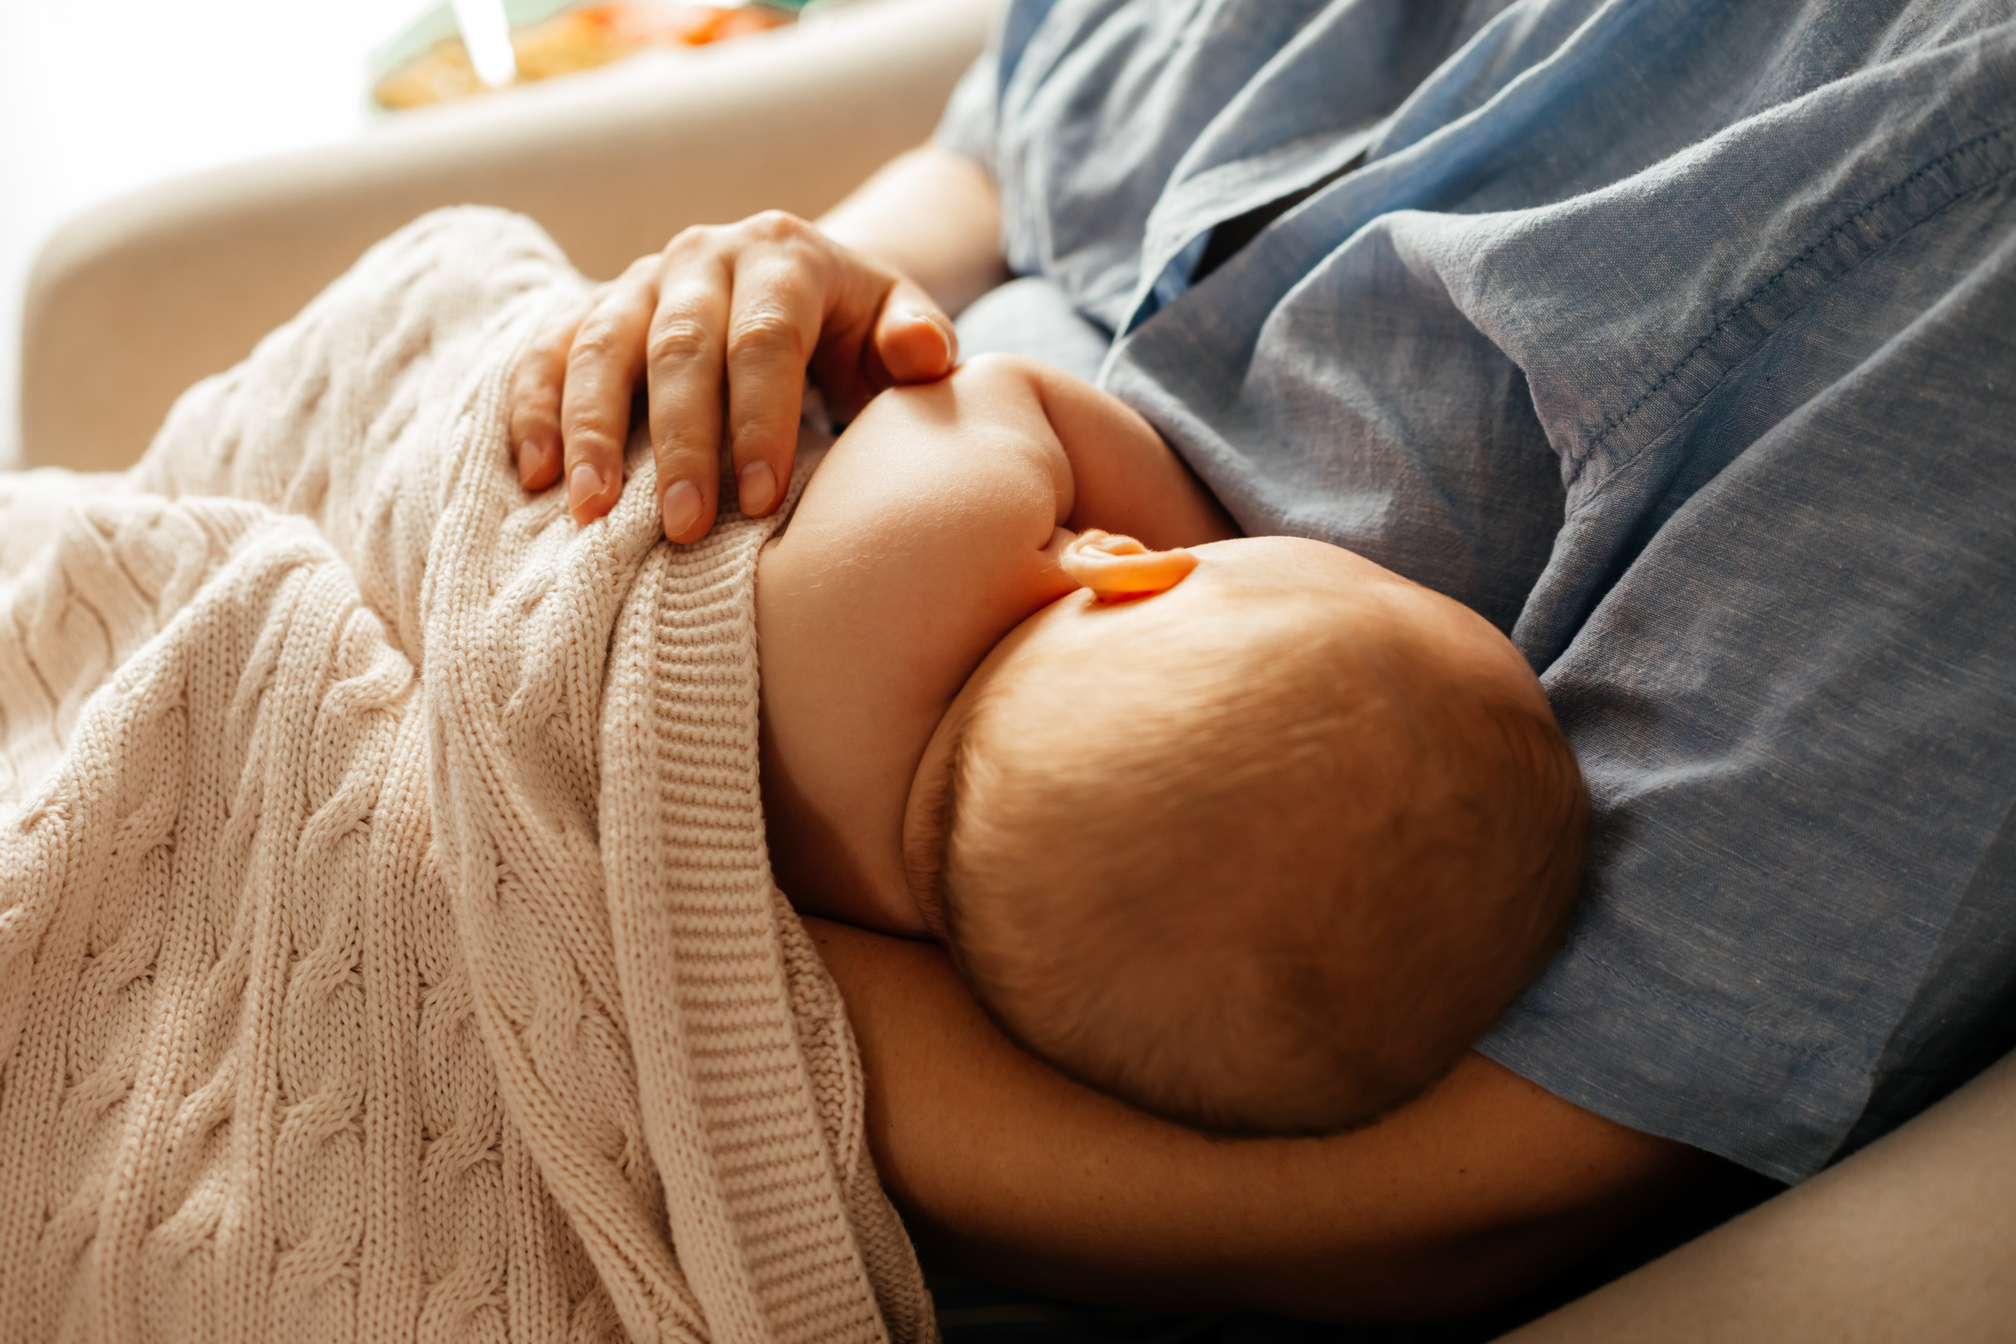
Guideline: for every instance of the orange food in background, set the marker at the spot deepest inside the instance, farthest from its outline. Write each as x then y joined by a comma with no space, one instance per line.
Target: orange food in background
575,39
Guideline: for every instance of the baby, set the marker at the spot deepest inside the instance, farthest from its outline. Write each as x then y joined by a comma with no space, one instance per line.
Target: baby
1251,833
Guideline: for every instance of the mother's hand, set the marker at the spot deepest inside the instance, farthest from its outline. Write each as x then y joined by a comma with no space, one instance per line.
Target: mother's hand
726,321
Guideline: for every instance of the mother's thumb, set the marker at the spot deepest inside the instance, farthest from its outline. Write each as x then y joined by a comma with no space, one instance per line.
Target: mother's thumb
914,340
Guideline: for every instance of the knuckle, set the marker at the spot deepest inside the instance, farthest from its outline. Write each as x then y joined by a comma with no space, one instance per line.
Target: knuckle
693,238
677,341
532,414
550,345
597,338
589,438
678,458
775,225
763,335
752,439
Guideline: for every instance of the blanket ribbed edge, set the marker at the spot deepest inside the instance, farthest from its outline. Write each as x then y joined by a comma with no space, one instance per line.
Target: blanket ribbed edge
688,870
748,1080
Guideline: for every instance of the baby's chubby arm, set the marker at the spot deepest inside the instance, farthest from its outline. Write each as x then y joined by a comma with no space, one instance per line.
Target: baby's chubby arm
934,526
967,448
1125,478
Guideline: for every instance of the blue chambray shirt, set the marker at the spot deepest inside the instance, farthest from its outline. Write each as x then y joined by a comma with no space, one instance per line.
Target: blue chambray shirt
1679,339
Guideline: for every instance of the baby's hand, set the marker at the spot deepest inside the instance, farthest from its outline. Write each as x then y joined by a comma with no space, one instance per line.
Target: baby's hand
1120,569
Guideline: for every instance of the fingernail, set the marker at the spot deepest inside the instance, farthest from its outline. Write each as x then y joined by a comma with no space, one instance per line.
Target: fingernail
921,365
583,485
946,337
757,487
531,459
681,507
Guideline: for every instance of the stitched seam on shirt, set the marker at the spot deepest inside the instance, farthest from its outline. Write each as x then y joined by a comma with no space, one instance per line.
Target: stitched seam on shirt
1796,269
1715,1020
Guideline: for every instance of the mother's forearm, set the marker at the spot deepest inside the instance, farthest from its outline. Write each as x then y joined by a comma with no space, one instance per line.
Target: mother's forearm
1455,1203
933,215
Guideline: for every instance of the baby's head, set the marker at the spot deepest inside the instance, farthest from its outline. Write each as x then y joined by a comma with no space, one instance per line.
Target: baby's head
1263,851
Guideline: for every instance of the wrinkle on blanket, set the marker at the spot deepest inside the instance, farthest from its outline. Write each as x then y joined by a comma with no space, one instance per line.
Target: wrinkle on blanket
388,948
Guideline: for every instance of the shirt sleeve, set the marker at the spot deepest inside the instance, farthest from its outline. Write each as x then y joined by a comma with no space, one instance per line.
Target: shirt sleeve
1715,419
967,126
1796,714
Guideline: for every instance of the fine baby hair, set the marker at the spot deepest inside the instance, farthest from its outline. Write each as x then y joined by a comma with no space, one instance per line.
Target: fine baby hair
1264,860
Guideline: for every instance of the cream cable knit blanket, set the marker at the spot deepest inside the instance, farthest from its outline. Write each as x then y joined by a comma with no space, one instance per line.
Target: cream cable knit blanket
388,948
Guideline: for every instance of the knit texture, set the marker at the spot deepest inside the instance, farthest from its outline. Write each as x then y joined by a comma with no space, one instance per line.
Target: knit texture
388,946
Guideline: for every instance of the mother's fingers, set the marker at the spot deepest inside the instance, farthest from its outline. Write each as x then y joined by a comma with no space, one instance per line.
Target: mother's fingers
881,330
535,396
721,324
914,340
683,374
778,307
602,366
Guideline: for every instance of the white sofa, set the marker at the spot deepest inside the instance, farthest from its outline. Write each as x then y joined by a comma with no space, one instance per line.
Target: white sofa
1913,1239
136,299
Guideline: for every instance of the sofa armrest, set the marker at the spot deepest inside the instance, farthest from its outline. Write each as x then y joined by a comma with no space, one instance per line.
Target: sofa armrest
136,299
1907,1240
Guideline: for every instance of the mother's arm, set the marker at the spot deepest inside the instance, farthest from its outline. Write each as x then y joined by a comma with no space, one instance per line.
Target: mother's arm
1453,1204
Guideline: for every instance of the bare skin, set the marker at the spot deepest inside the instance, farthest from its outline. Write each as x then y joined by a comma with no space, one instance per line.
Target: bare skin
875,612
747,309
1463,1198
1452,1205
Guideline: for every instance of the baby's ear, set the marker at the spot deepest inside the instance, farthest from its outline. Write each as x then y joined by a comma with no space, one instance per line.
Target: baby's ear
1119,569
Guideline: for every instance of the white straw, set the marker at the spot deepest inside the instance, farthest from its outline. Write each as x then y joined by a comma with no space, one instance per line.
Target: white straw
487,34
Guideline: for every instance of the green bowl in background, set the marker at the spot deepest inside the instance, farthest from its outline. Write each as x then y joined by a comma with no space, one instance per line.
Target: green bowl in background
438,24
